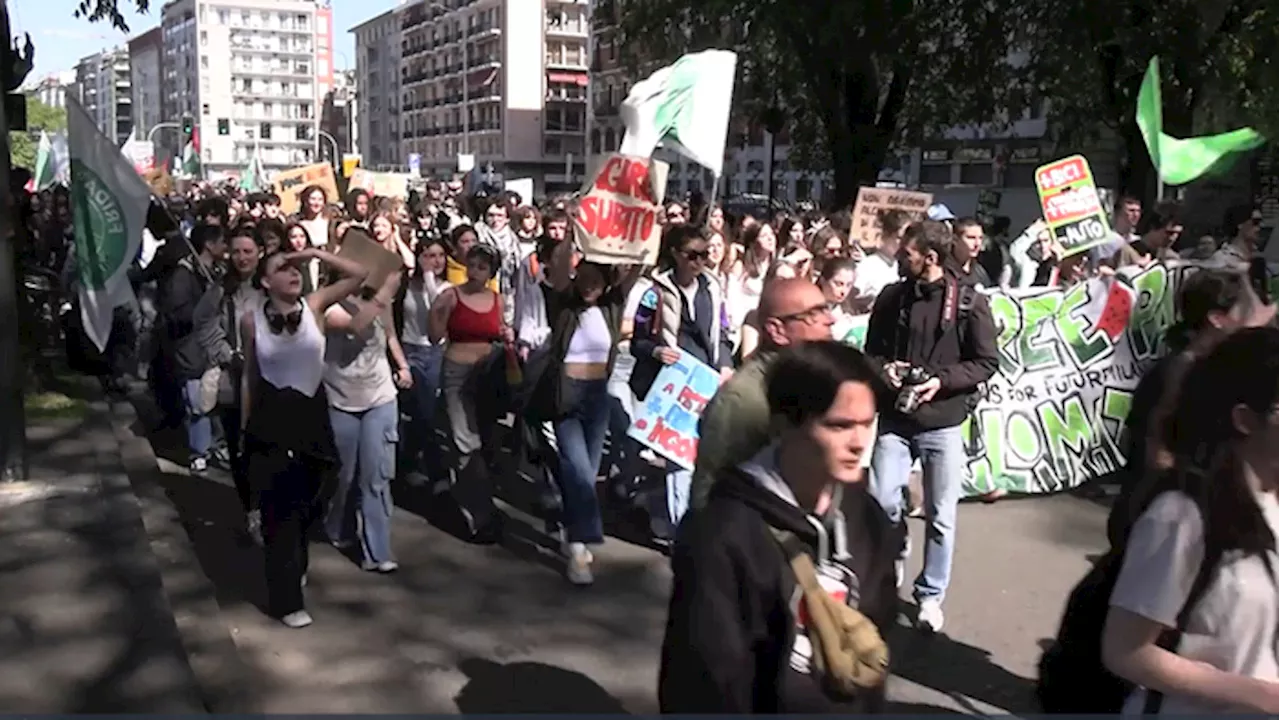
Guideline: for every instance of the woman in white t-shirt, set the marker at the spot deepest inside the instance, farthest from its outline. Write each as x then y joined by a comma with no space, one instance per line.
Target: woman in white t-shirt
1217,506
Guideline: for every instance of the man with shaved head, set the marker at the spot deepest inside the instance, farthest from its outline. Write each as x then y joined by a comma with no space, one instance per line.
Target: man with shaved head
735,424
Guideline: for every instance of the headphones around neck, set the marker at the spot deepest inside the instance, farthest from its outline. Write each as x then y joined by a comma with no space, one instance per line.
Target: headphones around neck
279,322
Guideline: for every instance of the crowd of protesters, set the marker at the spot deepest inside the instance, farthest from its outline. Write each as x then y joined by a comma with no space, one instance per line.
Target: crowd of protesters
317,386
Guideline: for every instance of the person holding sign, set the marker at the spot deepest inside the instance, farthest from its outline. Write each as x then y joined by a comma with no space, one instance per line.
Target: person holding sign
584,307
683,311
288,440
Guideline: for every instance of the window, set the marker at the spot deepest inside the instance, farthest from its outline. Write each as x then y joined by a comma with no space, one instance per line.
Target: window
204,109
265,129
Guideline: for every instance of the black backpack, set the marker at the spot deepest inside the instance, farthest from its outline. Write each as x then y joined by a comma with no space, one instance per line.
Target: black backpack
1072,678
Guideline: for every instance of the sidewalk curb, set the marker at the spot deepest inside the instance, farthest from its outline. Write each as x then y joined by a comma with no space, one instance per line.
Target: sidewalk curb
221,673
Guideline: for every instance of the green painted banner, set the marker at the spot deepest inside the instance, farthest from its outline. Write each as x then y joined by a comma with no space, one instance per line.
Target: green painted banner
1053,416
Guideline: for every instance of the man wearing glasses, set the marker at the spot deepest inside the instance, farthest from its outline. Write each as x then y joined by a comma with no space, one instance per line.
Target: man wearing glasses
735,424
1243,228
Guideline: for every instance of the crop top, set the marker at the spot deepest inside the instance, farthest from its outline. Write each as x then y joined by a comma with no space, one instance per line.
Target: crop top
592,341
468,326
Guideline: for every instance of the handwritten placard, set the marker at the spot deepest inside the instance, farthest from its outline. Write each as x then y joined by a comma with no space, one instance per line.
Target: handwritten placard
290,184
380,184
617,218
1071,206
667,422
873,200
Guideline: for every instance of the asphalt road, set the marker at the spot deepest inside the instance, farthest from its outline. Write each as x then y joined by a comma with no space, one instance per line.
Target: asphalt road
473,629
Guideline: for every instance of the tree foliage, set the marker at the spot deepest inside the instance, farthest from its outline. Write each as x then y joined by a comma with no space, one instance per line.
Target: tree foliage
108,11
24,145
1088,57
852,77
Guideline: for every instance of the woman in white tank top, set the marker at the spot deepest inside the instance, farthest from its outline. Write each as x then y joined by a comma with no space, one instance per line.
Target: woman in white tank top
288,440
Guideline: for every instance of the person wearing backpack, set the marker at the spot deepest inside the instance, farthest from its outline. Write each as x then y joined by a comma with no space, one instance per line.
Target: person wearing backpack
934,337
783,579
1182,612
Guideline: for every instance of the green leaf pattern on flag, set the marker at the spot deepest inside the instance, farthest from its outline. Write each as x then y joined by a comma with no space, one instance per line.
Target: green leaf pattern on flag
673,112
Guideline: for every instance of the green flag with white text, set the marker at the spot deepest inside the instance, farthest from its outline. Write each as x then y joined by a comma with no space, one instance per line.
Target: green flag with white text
1179,161
109,210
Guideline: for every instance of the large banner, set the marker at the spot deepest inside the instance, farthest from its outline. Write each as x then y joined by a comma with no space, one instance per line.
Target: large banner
1053,416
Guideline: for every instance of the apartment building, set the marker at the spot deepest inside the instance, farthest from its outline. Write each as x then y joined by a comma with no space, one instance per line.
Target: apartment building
502,81
378,46
52,89
253,75
103,88
339,115
146,63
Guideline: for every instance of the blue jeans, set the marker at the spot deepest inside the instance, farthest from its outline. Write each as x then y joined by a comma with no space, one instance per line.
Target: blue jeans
675,502
421,446
580,443
199,425
367,447
942,456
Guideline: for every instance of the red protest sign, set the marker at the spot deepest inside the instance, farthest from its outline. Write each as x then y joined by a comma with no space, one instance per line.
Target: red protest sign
617,220
1072,209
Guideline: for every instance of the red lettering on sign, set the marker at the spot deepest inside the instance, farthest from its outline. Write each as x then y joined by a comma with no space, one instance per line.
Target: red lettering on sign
677,445
611,220
691,401
626,177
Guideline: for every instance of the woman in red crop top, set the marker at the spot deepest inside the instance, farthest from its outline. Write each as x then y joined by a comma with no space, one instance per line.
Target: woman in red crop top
469,317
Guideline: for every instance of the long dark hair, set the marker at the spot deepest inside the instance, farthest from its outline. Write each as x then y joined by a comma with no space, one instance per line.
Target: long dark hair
1239,370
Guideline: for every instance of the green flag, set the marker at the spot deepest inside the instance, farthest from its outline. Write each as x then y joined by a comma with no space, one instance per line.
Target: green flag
1179,161
45,163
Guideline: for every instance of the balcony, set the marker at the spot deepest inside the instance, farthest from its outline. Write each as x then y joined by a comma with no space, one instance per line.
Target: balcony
573,30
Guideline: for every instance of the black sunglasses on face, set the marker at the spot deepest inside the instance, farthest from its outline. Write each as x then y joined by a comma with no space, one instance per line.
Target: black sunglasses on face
696,255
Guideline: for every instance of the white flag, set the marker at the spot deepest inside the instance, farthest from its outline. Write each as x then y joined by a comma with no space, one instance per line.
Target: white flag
61,159
684,107
109,210
45,163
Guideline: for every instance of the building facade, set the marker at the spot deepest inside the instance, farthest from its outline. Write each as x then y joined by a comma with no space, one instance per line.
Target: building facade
103,86
52,89
501,84
252,74
378,112
339,115
146,55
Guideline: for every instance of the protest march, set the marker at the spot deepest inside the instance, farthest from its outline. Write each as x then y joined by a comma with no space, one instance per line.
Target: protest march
766,396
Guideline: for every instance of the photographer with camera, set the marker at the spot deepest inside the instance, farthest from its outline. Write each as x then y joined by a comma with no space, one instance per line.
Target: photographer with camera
934,337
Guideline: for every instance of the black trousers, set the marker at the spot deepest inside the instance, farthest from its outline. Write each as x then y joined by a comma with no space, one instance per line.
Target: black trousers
230,420
291,502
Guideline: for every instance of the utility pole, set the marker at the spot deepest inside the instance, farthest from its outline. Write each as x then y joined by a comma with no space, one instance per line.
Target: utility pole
13,425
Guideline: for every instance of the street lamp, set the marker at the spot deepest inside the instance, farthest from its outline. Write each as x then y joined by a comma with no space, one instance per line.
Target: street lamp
466,85
327,136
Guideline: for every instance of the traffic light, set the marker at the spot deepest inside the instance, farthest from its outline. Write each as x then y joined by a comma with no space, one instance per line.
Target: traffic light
224,126
187,125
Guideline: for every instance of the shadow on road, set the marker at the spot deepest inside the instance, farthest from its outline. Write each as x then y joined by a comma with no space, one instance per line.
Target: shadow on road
530,687
958,670
85,625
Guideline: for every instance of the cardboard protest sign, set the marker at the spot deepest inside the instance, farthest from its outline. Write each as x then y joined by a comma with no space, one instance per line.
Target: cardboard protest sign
381,184
1071,206
667,422
359,246
290,184
617,218
874,200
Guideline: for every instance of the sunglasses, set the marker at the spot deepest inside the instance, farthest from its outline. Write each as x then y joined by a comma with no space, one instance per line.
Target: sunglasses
696,255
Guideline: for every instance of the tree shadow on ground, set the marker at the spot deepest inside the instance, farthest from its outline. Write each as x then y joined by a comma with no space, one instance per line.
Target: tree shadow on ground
530,687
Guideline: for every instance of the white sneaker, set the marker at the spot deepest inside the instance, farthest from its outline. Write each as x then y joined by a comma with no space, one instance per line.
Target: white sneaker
198,465
253,523
930,617
296,620
578,568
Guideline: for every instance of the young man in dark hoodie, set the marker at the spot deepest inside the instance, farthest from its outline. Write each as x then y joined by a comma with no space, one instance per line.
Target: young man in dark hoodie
736,639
